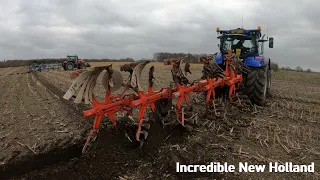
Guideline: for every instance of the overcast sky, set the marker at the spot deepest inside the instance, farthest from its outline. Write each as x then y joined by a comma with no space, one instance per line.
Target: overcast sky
137,29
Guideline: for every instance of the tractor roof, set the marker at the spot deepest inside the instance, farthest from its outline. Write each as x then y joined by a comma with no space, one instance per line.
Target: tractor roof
241,31
234,35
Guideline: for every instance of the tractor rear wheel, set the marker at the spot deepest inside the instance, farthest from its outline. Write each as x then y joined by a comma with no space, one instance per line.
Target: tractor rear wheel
257,85
69,66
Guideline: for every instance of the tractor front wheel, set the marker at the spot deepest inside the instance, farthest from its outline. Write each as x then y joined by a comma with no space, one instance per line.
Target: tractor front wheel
257,84
69,66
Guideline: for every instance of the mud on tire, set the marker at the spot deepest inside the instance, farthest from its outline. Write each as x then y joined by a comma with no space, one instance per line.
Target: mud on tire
257,85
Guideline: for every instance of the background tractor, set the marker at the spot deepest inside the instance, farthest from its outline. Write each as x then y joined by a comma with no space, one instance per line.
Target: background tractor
74,62
248,44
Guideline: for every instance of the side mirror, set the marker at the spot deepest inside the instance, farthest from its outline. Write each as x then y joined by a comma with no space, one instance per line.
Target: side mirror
218,45
271,42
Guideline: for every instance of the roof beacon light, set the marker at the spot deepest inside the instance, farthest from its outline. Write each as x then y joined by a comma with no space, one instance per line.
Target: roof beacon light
259,28
218,29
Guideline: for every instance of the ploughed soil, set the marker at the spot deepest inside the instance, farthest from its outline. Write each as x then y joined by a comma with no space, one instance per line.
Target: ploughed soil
36,125
284,130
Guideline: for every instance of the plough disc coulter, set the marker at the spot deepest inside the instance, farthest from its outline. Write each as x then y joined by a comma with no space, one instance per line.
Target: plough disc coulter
214,77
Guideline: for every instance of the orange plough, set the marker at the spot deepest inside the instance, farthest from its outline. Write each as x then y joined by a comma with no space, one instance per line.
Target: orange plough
214,77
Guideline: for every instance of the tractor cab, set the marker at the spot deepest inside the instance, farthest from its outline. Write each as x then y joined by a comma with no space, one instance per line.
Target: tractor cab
73,59
247,43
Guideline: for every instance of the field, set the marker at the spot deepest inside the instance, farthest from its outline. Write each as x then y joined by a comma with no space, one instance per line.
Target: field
38,127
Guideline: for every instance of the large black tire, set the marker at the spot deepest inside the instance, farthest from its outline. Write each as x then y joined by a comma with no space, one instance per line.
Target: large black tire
257,85
69,66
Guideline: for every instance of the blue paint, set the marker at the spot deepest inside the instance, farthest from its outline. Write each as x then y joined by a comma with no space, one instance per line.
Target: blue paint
43,66
219,58
252,62
35,67
246,31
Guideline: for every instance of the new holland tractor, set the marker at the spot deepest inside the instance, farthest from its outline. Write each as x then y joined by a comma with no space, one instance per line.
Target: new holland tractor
73,62
248,44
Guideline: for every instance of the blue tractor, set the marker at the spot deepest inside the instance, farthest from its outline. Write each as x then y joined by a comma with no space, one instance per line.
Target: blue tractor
249,45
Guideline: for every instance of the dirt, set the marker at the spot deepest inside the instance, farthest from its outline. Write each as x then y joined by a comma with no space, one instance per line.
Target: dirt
33,121
284,130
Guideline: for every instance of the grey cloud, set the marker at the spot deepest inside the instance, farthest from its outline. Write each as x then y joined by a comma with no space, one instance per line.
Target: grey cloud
116,29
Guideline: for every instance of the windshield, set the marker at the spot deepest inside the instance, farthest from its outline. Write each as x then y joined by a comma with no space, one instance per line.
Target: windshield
232,42
72,58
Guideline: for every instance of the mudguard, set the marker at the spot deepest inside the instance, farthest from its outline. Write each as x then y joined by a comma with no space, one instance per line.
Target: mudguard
254,61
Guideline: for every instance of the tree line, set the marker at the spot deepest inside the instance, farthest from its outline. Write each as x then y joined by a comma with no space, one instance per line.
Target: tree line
298,69
191,58
16,63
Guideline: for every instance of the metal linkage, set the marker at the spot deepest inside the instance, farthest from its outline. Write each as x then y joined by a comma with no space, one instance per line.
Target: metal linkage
215,76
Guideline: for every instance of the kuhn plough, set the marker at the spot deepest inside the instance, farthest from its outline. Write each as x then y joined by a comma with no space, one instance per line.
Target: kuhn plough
228,78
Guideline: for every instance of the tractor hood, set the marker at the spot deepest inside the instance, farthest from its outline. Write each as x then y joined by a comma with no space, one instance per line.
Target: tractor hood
81,61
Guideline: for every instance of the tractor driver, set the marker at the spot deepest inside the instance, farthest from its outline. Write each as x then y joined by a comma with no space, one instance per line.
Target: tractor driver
239,45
